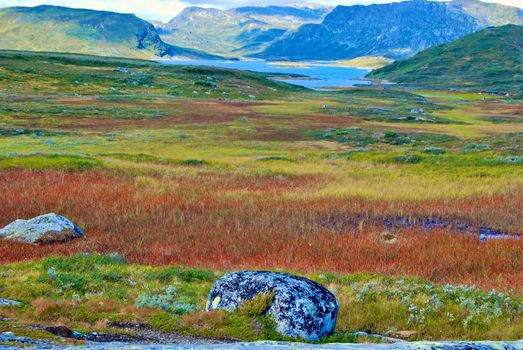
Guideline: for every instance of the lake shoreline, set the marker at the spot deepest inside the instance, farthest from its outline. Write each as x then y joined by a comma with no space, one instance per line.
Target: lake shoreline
315,76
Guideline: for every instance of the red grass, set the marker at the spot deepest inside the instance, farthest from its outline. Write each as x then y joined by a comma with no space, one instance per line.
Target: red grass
190,222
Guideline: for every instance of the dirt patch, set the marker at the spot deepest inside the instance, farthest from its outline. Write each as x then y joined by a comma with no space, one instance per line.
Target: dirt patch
136,333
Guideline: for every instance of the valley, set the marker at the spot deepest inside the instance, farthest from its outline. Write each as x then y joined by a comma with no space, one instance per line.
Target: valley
181,174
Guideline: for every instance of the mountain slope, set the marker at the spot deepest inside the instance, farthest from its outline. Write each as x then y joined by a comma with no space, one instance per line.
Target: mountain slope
491,14
61,29
395,30
237,31
491,59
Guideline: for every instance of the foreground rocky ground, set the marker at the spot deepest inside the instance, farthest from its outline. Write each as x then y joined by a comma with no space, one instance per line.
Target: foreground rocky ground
282,345
90,297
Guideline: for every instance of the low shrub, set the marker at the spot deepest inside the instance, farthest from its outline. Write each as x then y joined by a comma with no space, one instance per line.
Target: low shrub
169,301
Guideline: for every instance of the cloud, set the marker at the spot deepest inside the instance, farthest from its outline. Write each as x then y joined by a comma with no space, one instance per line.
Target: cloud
164,10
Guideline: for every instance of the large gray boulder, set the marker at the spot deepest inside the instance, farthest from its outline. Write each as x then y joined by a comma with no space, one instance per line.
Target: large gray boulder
301,308
48,228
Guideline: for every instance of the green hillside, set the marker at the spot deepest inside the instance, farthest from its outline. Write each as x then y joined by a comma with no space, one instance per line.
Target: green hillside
23,72
61,29
491,59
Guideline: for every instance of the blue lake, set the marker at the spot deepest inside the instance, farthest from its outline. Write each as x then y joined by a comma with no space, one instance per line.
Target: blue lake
321,76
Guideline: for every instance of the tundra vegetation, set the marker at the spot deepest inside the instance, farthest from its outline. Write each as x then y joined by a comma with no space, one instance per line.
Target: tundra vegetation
180,174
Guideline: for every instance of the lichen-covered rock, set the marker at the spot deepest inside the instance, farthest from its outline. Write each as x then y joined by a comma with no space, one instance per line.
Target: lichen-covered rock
300,307
48,228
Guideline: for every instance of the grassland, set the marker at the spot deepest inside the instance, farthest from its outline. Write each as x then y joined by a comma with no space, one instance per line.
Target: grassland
210,170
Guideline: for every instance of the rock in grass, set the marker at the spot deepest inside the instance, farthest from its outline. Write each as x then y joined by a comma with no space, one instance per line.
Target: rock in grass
48,228
12,338
387,237
301,308
65,332
7,302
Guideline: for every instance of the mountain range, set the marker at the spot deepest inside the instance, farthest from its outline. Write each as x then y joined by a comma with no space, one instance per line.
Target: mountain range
298,32
395,30
237,32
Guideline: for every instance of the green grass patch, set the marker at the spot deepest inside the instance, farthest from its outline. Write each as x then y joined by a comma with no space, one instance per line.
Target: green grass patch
503,120
49,161
147,158
356,136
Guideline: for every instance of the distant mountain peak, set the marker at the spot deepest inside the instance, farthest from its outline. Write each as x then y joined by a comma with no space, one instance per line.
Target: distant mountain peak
241,30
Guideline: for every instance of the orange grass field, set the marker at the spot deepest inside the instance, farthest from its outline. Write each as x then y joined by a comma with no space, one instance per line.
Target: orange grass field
194,222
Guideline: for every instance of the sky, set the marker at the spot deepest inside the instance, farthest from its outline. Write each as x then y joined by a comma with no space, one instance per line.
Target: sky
164,10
